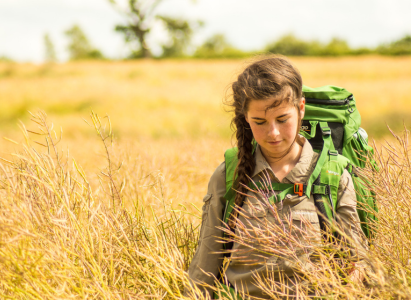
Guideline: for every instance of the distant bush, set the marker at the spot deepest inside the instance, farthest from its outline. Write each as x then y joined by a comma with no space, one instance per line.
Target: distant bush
50,51
218,47
336,47
291,45
362,51
400,47
5,59
79,46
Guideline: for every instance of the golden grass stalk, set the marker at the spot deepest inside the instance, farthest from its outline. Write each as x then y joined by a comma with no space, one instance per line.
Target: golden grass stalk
62,236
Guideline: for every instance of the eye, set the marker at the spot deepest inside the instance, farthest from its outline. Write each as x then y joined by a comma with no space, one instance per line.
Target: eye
282,121
260,123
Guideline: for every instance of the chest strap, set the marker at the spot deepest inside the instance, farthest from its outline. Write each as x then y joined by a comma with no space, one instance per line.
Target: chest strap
287,189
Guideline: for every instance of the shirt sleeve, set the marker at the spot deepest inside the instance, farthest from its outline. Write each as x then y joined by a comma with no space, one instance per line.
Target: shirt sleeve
348,219
204,267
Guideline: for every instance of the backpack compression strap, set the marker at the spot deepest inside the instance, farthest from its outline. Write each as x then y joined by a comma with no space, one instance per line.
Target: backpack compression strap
326,134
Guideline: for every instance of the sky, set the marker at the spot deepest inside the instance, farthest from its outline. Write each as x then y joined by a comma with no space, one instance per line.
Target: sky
247,24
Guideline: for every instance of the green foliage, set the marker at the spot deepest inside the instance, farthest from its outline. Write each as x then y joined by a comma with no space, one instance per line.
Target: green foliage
291,45
141,16
180,33
400,47
5,59
135,35
362,51
50,53
79,45
218,47
336,47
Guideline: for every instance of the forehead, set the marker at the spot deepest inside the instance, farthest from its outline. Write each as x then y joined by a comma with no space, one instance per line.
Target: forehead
263,107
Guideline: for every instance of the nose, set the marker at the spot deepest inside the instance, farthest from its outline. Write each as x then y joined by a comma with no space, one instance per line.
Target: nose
273,131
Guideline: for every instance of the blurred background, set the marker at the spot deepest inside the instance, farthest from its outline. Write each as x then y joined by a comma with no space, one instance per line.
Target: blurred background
160,69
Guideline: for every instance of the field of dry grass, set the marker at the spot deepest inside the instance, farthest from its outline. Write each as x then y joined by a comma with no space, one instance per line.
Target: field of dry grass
92,219
165,98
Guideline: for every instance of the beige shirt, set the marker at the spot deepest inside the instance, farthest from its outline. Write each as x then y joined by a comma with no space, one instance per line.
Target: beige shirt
254,257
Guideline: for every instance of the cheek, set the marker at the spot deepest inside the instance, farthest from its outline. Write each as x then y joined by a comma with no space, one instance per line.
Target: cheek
258,132
291,129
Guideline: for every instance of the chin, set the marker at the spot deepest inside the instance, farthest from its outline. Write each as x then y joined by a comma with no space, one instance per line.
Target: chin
279,144
275,149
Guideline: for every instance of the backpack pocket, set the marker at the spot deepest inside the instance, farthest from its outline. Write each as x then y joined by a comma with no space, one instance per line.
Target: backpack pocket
366,205
358,151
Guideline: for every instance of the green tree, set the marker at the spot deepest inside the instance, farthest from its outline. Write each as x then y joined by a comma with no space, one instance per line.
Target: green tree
180,33
141,16
79,45
400,47
4,58
217,46
291,45
336,47
50,52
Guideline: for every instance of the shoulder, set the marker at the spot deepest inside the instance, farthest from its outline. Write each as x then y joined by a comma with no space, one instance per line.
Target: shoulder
346,187
345,179
346,194
219,172
217,179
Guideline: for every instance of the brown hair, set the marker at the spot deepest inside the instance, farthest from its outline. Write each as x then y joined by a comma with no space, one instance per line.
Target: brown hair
269,77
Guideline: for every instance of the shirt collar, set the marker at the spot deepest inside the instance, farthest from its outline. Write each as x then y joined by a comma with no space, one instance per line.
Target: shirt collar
261,163
299,174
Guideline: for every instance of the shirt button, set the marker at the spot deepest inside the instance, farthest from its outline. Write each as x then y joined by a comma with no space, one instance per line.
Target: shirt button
288,196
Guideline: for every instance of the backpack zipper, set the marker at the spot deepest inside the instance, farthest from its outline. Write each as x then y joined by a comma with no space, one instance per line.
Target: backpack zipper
329,102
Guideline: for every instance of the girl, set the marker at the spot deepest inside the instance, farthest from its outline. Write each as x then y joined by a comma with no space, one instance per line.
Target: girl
269,107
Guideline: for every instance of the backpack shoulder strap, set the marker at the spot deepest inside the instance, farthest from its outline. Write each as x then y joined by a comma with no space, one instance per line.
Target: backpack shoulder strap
328,145
231,161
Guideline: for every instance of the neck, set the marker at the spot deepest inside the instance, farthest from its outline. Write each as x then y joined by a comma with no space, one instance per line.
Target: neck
284,164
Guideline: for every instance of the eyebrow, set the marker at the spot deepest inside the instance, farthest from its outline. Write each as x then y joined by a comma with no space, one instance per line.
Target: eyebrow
256,118
284,115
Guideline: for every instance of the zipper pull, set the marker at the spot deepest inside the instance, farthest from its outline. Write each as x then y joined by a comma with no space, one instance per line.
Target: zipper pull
347,102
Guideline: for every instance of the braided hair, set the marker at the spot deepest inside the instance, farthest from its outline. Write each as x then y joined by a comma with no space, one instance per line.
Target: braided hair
270,77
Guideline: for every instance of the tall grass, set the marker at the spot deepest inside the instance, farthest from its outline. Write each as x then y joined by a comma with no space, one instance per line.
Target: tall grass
119,235
62,239
113,210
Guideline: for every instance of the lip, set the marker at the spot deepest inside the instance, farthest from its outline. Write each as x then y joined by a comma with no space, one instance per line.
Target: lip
274,143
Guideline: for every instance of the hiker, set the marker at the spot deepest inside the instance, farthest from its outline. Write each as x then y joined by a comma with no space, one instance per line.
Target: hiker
269,106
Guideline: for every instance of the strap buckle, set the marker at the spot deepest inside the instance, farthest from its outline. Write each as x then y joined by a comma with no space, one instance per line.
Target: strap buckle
298,189
326,130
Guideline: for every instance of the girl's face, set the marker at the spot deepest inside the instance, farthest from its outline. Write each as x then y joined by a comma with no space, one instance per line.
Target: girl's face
274,129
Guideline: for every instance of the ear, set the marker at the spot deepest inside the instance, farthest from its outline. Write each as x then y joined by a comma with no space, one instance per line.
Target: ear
302,107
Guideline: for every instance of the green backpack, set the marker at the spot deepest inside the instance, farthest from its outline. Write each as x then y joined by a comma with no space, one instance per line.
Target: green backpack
332,126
